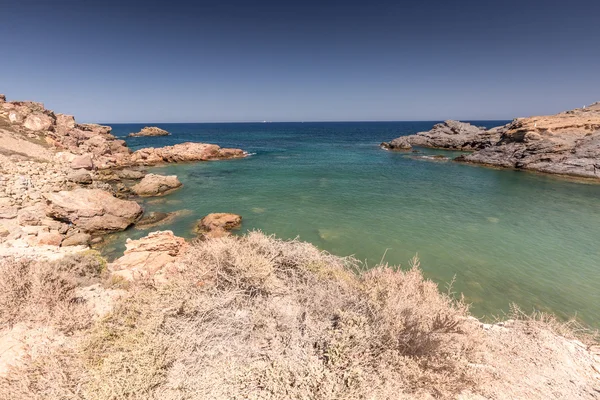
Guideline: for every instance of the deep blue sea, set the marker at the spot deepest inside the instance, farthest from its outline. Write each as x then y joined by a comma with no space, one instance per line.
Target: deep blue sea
507,236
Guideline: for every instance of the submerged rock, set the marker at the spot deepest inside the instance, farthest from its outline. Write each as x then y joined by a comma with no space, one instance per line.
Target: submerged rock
156,185
218,224
150,131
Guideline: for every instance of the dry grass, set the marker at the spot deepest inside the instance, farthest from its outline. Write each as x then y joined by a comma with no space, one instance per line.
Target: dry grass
254,317
43,293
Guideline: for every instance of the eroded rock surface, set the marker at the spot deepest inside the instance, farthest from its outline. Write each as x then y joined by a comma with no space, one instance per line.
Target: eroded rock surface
156,185
154,256
452,135
567,143
150,131
92,210
184,152
218,224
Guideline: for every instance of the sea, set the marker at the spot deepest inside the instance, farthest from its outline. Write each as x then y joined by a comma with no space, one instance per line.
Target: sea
498,236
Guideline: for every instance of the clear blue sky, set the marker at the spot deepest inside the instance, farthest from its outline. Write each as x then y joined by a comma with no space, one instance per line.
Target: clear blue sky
196,61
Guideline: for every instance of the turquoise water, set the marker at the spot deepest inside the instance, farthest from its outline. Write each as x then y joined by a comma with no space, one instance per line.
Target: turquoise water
507,236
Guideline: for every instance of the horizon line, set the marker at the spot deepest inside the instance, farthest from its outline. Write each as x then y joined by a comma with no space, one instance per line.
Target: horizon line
300,122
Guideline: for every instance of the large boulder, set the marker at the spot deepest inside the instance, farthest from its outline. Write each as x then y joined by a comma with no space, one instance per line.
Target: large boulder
218,224
184,152
149,256
92,210
150,131
156,185
451,135
83,161
38,122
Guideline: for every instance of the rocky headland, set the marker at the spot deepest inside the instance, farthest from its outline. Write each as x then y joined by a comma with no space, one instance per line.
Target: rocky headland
150,131
567,143
65,184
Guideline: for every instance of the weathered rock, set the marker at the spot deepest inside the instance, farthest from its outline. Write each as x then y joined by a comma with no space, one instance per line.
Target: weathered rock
92,210
38,122
184,152
152,255
150,131
83,161
452,135
154,218
64,123
2,98
77,239
567,143
80,177
49,238
218,224
130,174
156,185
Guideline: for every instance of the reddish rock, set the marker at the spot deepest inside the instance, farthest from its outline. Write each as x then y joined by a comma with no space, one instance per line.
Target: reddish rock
92,210
218,224
83,161
156,185
49,238
184,152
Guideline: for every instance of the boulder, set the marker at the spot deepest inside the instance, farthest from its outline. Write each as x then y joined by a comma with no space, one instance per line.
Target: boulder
154,218
130,174
49,238
156,185
92,210
184,152
218,224
38,122
77,239
2,98
150,131
83,161
64,123
149,256
80,177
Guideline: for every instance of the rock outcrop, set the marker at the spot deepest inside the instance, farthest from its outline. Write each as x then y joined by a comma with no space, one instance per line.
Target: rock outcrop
184,152
156,185
451,135
218,224
567,143
150,131
92,210
151,256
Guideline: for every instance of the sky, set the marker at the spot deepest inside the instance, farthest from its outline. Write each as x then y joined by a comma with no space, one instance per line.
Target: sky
198,61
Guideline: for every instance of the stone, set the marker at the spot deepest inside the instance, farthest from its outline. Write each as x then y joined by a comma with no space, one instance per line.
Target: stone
64,123
49,238
156,185
2,98
83,161
29,218
38,122
218,224
149,255
130,174
8,212
77,239
80,177
150,131
154,218
92,210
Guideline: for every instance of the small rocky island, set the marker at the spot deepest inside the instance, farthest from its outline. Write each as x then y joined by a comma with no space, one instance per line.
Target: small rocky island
149,131
567,143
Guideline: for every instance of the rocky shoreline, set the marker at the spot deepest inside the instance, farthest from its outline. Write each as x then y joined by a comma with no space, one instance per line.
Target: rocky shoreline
567,143
64,185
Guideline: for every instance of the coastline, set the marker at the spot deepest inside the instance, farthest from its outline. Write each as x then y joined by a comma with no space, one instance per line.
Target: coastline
161,258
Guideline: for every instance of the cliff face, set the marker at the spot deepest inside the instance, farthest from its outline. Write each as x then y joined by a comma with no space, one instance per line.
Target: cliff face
567,143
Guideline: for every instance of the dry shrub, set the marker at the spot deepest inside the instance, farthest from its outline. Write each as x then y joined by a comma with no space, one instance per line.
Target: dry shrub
257,317
44,292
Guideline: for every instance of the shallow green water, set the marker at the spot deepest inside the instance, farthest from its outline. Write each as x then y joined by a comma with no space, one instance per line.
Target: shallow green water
507,236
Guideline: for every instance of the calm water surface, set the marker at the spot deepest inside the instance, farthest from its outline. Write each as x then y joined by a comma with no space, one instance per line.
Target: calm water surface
507,236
